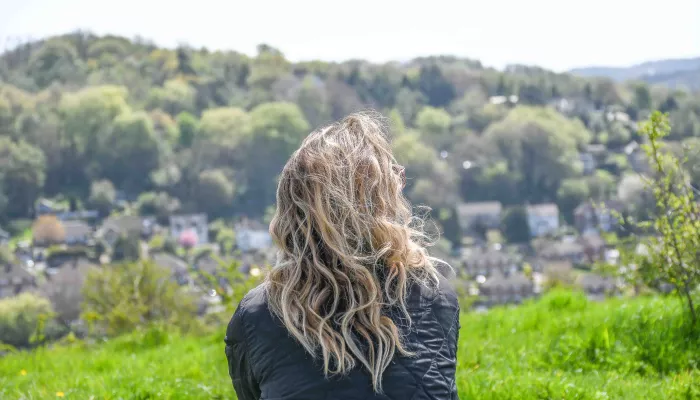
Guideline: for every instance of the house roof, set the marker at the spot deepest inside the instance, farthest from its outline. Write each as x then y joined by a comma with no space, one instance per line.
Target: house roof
545,209
12,274
124,223
502,281
76,228
77,266
477,208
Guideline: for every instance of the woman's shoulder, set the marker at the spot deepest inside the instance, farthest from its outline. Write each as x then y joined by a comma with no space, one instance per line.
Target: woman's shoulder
251,312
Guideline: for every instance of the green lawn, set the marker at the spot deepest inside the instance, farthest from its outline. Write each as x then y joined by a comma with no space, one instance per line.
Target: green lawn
561,347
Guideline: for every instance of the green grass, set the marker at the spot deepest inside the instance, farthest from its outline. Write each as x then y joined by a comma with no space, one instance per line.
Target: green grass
562,347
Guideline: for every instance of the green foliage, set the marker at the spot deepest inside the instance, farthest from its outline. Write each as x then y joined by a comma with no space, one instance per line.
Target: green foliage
22,175
22,319
102,196
562,347
126,248
158,204
672,256
515,226
570,194
121,297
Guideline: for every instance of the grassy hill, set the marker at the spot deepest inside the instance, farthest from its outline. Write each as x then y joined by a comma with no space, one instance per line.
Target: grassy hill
560,347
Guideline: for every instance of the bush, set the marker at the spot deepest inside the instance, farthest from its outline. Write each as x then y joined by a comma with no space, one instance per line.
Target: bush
23,319
122,297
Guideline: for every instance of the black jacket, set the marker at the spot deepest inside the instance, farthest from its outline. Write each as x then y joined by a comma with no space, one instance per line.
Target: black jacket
266,363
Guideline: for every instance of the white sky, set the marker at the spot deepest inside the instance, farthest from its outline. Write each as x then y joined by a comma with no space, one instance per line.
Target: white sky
556,34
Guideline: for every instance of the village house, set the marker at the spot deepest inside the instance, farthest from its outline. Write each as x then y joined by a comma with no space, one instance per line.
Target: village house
77,233
196,223
506,289
472,216
590,217
128,225
485,262
252,236
542,219
14,280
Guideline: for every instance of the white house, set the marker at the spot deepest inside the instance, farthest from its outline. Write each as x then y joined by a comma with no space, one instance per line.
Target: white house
542,219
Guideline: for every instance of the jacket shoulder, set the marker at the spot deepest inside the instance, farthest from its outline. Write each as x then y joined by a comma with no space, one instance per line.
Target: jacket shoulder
251,311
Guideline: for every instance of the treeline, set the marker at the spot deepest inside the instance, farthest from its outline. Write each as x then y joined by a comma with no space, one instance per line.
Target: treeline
93,120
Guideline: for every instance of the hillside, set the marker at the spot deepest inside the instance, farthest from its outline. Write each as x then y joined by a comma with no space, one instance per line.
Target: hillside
671,72
91,122
559,347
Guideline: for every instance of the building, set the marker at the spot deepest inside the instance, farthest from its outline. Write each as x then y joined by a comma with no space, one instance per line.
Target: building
252,236
542,219
486,262
196,223
590,217
177,266
128,225
77,233
472,216
14,280
506,289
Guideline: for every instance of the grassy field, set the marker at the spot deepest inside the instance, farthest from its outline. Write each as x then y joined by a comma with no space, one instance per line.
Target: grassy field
561,347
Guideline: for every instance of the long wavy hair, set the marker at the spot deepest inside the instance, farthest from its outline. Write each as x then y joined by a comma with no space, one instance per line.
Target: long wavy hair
350,247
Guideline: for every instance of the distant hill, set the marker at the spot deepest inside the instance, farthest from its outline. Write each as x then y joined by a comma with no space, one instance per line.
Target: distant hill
672,72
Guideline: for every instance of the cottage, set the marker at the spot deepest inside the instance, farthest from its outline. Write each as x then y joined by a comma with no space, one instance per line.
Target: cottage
64,287
486,262
542,219
479,215
568,249
590,217
196,223
14,280
128,225
76,233
504,289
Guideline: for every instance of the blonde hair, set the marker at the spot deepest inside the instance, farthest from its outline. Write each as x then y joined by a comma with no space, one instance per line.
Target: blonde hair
350,247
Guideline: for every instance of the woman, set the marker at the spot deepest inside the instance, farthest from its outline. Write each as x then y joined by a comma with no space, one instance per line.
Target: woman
355,308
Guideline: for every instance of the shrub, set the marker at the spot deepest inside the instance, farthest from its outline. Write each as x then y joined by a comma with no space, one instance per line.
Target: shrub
122,297
23,318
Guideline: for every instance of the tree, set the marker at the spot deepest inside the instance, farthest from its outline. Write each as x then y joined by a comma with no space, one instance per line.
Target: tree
174,97
214,192
515,226
131,152
673,254
126,248
158,204
22,172
434,86
187,125
47,230
102,196
571,193
541,146
642,97
122,297
22,317
434,126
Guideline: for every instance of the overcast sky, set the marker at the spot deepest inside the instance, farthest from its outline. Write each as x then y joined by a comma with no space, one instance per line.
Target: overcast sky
556,34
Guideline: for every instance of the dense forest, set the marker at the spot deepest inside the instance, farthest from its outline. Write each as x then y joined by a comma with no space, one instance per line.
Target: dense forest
91,121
